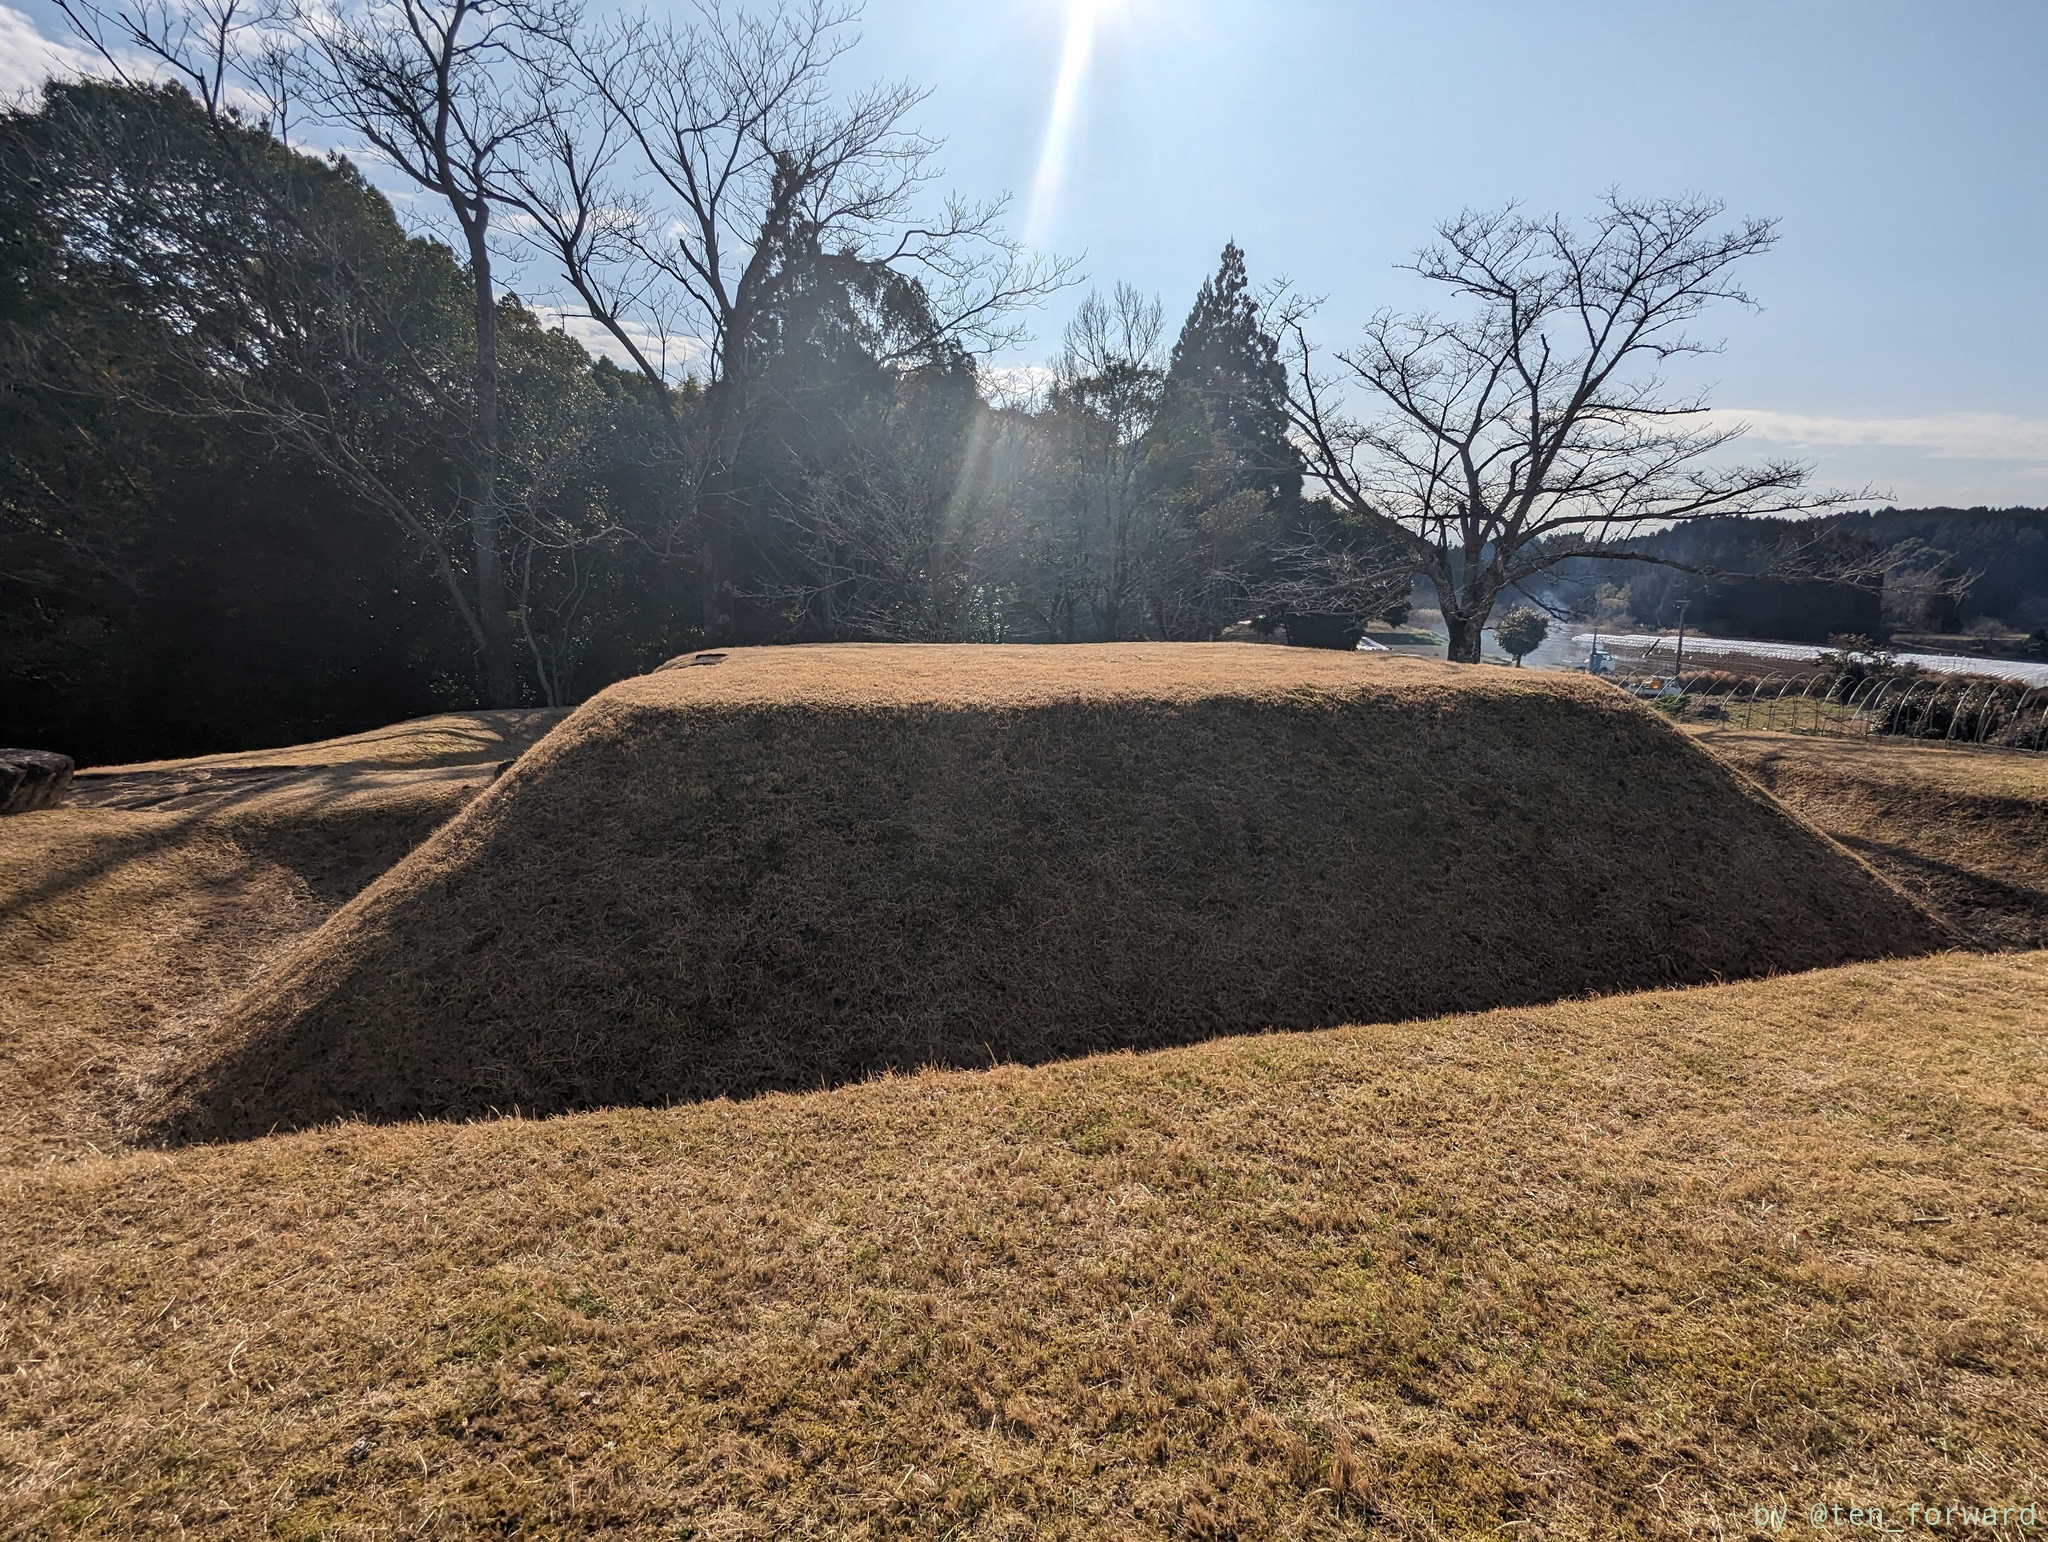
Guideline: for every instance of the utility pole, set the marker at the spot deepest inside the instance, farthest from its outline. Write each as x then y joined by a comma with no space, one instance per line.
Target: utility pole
1678,664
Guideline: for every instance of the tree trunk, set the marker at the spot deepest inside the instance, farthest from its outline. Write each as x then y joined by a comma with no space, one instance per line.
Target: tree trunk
711,580
1466,633
1466,599
501,681
720,503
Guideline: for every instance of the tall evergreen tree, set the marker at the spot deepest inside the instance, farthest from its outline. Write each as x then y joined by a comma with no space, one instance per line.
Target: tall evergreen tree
1228,364
1223,471
1249,541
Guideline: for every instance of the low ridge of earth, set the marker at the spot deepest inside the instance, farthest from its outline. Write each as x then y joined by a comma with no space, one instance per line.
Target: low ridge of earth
418,744
130,917
449,747
1623,1268
1962,829
778,868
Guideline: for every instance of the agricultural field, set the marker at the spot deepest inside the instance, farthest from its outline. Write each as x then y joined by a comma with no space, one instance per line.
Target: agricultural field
1596,1262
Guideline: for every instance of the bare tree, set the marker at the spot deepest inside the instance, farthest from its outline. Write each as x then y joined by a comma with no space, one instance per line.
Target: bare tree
1536,427
1106,393
1342,570
684,165
215,49
441,90
907,540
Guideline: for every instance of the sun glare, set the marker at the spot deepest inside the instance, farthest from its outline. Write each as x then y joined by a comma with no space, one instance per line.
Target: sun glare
1048,183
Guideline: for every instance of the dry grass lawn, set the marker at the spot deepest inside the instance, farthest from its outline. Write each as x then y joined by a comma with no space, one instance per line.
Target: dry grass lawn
1963,830
449,739
786,867
123,931
130,919
1627,1267
1601,1269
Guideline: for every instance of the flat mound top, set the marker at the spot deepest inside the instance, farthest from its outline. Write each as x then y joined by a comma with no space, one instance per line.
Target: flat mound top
881,675
794,866
1620,1268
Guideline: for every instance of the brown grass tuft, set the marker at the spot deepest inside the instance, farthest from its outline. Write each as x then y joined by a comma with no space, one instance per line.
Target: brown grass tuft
799,866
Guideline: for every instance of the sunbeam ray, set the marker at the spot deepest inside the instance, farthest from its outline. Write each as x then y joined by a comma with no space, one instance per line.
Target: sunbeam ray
1049,181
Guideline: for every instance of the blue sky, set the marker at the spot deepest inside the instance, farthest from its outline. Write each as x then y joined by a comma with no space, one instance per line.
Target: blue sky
1903,335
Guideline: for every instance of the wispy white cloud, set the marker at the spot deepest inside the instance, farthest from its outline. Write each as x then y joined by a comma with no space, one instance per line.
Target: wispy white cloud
1997,436
679,352
27,58
1017,385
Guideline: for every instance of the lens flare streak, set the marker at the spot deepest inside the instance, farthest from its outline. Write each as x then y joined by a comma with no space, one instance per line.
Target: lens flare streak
1049,181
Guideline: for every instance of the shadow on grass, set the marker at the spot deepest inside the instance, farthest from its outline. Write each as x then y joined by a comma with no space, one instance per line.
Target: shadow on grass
1994,913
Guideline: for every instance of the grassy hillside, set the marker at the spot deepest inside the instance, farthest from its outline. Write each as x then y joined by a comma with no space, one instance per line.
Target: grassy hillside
123,931
1963,830
789,867
131,918
1600,1269
1626,1267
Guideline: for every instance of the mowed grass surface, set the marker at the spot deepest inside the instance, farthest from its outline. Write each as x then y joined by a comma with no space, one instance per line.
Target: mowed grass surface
1616,1268
1963,830
125,929
122,932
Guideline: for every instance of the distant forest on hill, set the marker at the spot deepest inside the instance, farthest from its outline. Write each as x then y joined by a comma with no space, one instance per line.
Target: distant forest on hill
274,466
1919,571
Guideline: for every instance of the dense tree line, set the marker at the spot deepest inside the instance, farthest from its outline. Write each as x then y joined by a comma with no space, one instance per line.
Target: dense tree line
2000,556
275,463
241,458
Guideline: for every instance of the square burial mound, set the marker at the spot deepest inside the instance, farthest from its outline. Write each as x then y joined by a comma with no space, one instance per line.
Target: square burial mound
778,868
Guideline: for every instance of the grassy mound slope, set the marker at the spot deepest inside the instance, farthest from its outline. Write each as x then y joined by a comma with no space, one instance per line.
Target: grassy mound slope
1963,830
122,932
1616,1268
797,866
446,739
